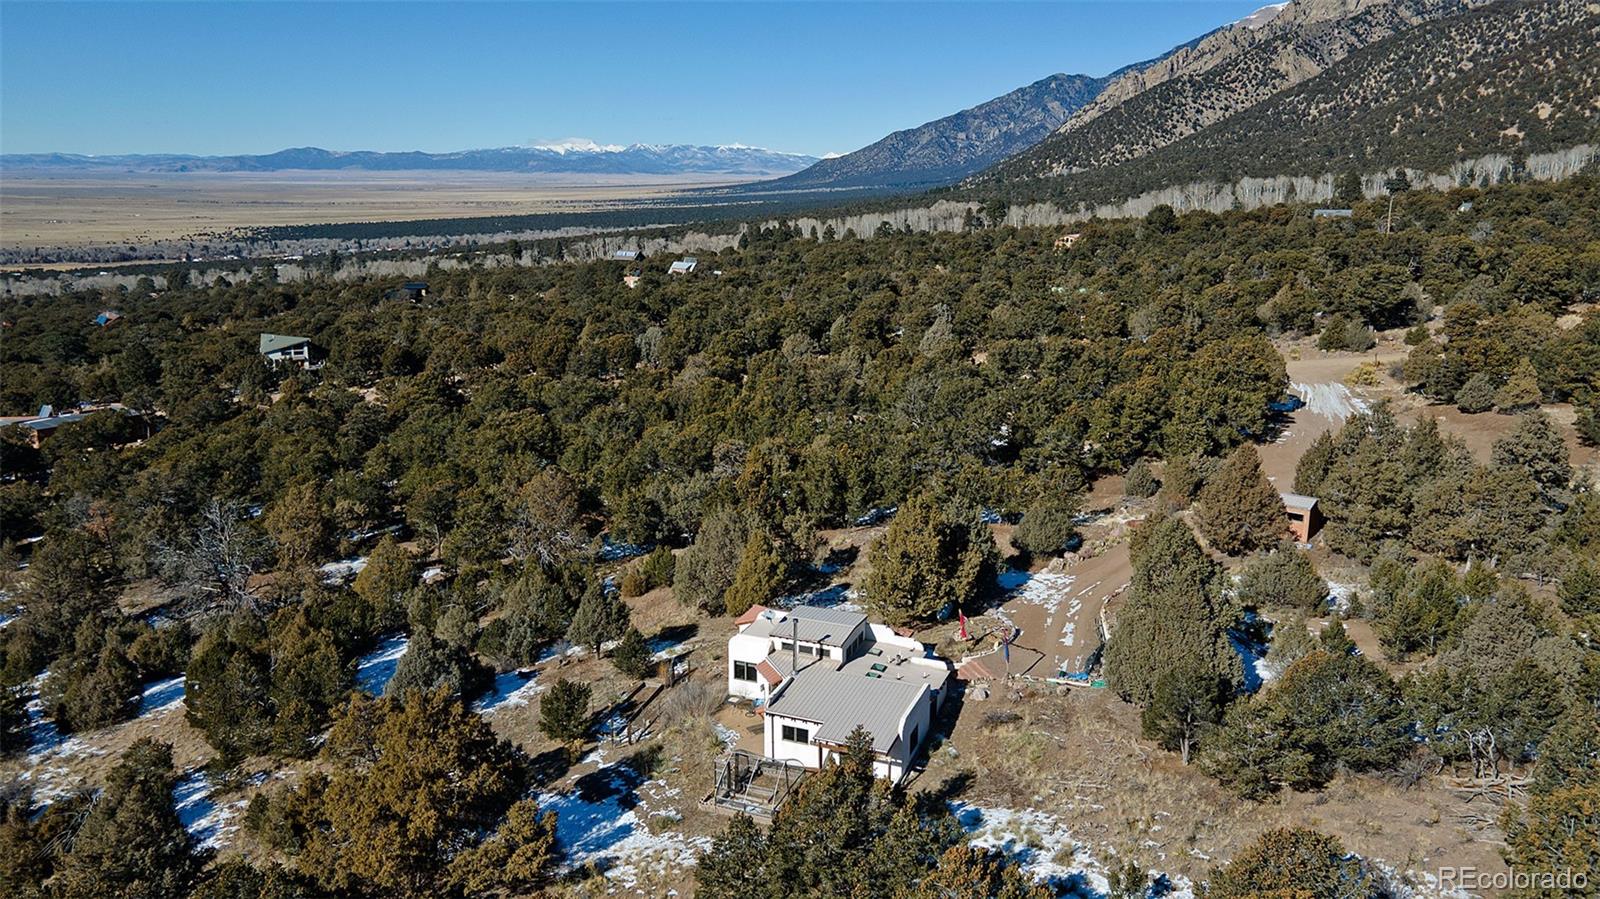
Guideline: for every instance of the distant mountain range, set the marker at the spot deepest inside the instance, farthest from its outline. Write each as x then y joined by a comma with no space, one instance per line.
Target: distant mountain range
566,157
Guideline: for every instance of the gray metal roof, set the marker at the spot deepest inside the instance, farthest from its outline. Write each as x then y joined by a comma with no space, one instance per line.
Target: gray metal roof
840,701
1298,500
272,343
813,624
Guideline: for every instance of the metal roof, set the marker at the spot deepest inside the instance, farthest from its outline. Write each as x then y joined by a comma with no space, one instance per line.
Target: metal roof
840,701
1298,500
272,343
814,624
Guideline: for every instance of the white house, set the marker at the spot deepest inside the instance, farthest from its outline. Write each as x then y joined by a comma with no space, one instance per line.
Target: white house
288,350
684,266
818,674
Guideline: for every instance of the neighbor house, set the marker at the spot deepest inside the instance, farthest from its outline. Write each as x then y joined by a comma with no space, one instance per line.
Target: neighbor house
632,279
39,428
1332,213
818,674
411,291
627,255
1304,516
107,317
684,266
1065,241
286,349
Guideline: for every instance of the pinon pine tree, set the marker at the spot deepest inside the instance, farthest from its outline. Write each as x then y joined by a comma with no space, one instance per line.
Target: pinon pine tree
1240,512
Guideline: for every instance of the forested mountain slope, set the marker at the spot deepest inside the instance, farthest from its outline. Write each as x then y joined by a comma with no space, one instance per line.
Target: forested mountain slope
1223,75
947,149
1508,78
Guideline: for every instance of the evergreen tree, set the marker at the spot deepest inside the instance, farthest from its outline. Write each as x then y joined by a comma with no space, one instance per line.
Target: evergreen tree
131,842
1048,525
1580,588
601,617
1285,577
416,782
1240,511
1141,482
1536,446
759,577
228,686
1521,391
1314,464
1183,706
1292,862
632,655
1555,831
1477,394
1175,619
706,570
430,664
927,561
518,857
564,712
384,582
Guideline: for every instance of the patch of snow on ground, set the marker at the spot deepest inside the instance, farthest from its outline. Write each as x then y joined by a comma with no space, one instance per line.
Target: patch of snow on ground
511,690
833,596
1339,596
1047,589
1038,843
374,669
728,736
599,822
876,516
206,821
1253,656
161,695
339,572
556,650
611,551
1331,400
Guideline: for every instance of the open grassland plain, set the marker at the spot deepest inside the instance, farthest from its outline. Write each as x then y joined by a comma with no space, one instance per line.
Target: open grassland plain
39,210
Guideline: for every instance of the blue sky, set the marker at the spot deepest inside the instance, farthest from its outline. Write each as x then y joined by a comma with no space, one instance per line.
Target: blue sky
809,77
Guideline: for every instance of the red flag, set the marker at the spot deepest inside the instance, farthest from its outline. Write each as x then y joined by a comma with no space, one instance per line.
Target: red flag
963,617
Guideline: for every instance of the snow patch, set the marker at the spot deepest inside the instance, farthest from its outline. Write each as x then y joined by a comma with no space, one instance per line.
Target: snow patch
206,821
374,669
513,689
161,695
335,573
1331,400
601,821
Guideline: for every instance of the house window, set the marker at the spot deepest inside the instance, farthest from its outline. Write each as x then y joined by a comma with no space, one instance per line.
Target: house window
796,734
744,671
807,650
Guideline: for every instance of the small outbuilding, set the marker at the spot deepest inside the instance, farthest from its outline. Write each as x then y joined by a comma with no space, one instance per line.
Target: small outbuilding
1305,519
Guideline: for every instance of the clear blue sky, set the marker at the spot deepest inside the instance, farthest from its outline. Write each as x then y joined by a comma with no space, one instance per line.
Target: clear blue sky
220,77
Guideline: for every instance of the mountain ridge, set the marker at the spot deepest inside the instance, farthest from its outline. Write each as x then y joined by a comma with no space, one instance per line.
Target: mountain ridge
568,157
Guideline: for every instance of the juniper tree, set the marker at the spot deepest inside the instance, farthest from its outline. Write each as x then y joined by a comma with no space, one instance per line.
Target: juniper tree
131,842
564,712
1521,391
632,655
1314,464
1284,577
1183,705
706,570
384,582
1536,446
601,617
759,577
430,664
1477,394
1292,862
1175,619
1047,525
926,561
1240,511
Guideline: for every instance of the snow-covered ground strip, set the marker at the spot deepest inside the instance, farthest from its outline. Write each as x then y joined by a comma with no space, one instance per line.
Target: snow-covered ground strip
615,551
1253,656
601,820
834,596
206,821
663,647
558,649
1047,590
343,570
1339,596
1044,848
374,669
161,695
511,690
1330,400
876,516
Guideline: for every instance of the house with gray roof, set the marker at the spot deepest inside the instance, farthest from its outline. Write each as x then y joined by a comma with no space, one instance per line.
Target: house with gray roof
818,673
287,349
684,266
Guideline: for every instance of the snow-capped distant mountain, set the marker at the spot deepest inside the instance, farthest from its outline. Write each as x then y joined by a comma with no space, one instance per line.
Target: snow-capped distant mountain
1262,16
567,156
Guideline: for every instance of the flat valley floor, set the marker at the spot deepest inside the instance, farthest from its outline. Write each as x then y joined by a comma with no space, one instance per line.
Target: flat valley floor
40,210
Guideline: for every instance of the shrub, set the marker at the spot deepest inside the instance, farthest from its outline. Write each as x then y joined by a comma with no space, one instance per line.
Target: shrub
1283,578
1477,394
1141,482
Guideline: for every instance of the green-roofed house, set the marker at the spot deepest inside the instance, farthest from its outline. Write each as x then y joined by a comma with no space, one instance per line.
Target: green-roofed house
286,349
